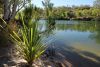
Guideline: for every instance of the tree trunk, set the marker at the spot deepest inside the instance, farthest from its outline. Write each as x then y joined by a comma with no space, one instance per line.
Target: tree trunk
11,7
6,10
14,10
9,10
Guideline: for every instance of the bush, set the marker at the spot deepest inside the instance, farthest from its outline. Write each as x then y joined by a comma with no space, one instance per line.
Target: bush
4,33
29,42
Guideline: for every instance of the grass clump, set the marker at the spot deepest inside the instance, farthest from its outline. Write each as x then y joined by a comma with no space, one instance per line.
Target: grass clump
28,41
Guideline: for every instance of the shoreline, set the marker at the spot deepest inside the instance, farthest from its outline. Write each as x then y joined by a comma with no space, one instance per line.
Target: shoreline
75,19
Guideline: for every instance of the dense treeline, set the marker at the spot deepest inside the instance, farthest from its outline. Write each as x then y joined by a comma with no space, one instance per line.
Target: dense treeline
83,12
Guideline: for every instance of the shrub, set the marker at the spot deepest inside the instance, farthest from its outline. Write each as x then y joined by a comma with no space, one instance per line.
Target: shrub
28,41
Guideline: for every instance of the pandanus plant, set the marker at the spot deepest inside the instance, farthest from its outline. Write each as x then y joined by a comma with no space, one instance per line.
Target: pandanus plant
28,41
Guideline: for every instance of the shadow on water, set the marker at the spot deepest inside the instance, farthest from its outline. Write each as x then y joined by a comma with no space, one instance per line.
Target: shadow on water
60,54
66,56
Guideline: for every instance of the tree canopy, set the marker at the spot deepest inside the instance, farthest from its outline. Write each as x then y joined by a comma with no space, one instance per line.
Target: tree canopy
97,4
11,7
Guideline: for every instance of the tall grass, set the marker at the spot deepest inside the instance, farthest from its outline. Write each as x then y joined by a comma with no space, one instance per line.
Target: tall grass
28,41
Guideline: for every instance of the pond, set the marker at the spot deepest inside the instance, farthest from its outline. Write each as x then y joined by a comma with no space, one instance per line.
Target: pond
81,37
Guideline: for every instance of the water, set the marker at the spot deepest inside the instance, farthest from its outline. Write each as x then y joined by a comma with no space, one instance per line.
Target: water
82,37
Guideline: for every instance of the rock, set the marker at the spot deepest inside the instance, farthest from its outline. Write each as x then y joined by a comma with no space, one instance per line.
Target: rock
49,66
5,65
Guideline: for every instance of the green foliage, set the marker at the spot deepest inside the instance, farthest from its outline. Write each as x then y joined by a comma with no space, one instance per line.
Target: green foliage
37,13
49,12
48,8
78,13
81,12
96,12
29,13
28,41
61,12
97,4
29,44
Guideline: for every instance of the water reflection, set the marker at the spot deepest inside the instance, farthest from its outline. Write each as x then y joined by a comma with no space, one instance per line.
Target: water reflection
49,29
81,26
46,27
77,41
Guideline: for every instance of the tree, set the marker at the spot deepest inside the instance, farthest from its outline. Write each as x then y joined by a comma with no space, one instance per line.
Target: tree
81,7
71,14
61,12
78,13
48,7
11,7
97,3
1,8
96,14
49,12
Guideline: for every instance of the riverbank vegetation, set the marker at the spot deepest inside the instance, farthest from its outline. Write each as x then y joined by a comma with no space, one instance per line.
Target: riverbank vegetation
82,12
27,38
19,25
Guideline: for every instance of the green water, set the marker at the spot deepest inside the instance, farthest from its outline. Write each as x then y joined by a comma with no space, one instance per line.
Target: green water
82,36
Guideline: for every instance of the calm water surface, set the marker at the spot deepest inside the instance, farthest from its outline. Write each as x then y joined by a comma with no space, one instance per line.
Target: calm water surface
82,36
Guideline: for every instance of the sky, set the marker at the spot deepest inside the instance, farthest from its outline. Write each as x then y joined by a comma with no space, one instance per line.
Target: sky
65,2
